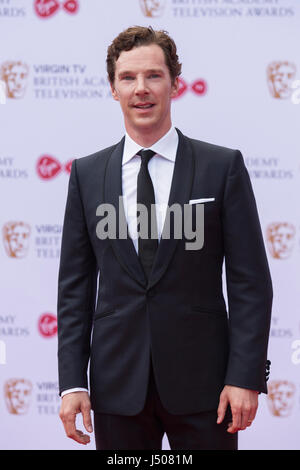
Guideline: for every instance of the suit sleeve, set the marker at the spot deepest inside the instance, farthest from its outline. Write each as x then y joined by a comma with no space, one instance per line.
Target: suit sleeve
249,285
77,281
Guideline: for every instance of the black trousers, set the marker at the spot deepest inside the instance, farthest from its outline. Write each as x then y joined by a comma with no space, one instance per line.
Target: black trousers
146,429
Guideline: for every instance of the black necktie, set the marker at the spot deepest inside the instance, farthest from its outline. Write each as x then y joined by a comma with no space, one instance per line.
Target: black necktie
145,195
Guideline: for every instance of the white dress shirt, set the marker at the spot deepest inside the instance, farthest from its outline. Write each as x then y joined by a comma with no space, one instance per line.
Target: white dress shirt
161,167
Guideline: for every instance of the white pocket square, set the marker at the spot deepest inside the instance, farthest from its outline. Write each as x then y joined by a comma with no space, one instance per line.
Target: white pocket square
200,201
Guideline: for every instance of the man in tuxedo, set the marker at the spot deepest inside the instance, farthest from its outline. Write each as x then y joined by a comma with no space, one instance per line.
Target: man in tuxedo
146,313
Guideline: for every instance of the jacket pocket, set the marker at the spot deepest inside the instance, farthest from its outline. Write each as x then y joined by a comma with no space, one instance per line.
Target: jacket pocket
99,315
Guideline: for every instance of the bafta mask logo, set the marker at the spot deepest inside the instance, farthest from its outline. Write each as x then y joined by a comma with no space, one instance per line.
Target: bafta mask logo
280,77
280,398
47,8
14,74
17,394
16,236
152,8
47,325
280,239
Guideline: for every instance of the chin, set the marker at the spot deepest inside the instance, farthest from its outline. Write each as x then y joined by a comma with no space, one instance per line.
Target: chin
145,124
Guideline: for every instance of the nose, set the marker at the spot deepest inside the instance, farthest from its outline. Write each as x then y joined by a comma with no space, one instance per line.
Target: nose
141,86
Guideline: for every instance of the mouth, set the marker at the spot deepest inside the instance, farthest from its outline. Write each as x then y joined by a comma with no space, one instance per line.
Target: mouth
143,106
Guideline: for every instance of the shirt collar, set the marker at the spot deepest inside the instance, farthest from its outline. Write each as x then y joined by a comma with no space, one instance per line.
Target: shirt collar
166,146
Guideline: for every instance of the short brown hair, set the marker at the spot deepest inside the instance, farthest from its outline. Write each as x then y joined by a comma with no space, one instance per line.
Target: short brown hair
136,36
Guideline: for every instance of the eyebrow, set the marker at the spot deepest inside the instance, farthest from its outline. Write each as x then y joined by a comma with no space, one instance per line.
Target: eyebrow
130,72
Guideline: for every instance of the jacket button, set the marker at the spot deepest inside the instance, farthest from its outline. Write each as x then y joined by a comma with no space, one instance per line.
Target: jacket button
151,293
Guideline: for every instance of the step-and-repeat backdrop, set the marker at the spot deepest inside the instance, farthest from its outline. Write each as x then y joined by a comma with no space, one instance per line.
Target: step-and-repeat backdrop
240,87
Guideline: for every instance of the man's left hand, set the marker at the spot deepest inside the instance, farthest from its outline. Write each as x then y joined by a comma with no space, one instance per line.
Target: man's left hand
243,404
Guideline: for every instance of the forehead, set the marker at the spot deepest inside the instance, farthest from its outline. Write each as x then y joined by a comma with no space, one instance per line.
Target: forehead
141,58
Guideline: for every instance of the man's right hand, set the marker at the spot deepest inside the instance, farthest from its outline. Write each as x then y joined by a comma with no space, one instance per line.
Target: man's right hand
72,404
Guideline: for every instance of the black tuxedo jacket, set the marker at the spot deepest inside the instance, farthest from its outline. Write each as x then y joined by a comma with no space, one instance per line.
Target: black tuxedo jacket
110,315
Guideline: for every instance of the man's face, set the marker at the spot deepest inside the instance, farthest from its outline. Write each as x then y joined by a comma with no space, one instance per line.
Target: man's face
144,89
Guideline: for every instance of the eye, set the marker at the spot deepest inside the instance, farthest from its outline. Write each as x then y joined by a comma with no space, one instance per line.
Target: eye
127,77
154,75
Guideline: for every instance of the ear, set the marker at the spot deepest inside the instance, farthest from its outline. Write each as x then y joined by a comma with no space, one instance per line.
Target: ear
175,87
114,92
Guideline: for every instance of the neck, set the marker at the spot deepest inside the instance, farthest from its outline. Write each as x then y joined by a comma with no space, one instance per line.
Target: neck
147,138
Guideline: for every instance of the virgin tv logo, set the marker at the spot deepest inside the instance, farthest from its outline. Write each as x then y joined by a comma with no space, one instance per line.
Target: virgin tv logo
198,87
49,167
48,8
47,325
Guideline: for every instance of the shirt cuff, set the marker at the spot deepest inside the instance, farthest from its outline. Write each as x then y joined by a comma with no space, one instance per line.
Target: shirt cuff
71,390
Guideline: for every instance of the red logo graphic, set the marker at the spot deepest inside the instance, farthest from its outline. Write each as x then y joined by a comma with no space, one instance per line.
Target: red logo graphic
199,87
47,325
47,8
48,167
